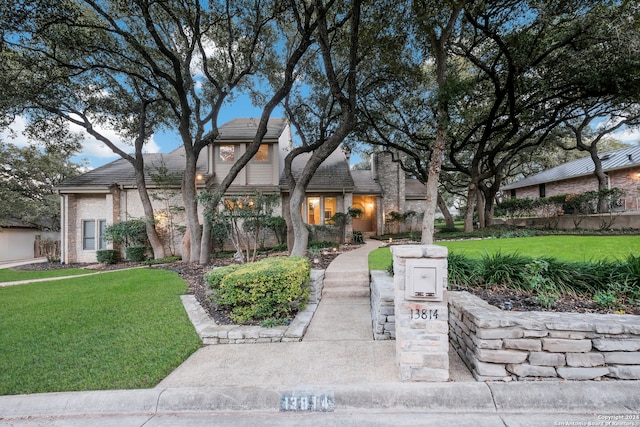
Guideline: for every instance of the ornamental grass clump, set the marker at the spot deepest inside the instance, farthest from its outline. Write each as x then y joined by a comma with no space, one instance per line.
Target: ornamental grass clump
274,288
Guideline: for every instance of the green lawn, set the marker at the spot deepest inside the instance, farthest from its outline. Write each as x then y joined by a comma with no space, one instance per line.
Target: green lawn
119,330
565,248
9,275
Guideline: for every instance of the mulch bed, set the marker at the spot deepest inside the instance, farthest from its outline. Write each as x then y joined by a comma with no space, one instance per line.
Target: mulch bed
518,301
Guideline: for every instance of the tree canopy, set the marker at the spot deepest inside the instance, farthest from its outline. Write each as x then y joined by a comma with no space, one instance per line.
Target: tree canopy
28,177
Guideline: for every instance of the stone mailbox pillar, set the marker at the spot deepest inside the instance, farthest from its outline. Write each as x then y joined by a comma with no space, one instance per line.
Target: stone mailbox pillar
422,326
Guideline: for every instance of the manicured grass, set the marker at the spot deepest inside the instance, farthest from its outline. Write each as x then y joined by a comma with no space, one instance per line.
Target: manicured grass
565,248
118,330
9,275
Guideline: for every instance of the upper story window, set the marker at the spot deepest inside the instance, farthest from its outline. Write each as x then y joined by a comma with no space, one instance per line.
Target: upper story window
226,153
262,156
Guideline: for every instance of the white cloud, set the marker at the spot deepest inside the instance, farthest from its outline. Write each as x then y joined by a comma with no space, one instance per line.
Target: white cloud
628,136
97,152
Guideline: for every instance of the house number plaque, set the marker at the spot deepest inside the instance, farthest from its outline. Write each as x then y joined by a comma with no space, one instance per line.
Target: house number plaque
306,402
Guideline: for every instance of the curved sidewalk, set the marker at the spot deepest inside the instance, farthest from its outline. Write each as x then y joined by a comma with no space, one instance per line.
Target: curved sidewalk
246,384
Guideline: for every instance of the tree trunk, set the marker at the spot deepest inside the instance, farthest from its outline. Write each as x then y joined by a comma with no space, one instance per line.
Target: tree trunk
205,247
300,231
481,205
156,243
448,219
191,207
468,215
286,213
431,197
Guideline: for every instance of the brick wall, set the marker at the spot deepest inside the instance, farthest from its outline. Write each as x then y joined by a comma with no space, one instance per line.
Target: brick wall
627,180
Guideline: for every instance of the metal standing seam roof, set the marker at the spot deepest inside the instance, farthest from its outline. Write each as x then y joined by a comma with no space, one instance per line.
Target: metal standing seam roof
612,160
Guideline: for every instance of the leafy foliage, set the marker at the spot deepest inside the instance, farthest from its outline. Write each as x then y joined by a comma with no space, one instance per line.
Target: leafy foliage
274,288
29,176
127,233
136,253
108,256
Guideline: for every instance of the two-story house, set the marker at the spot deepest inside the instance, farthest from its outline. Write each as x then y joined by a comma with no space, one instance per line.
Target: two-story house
108,194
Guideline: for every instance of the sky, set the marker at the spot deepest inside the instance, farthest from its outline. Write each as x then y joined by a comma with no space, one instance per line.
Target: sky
97,154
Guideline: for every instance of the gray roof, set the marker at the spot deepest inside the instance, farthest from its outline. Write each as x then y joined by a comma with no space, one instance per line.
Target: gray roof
245,129
332,175
364,182
612,160
414,189
121,171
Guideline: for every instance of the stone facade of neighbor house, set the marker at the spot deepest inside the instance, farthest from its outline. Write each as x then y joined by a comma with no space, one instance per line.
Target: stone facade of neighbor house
622,168
108,194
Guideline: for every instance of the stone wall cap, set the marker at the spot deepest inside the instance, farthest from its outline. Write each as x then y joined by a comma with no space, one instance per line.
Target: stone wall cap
420,251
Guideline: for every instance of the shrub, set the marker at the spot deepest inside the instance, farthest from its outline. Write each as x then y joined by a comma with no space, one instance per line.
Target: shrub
128,233
108,256
274,288
316,244
461,270
136,253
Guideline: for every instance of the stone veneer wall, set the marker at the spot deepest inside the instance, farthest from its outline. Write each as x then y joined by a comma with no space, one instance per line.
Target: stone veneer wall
382,306
503,345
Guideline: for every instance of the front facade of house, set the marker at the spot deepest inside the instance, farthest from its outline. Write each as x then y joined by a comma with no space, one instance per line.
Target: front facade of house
107,195
622,168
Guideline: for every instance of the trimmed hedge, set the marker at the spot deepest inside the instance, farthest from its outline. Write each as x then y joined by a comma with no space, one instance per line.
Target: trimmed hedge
136,253
274,288
108,256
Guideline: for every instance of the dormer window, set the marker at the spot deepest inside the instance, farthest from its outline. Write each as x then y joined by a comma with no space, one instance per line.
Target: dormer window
226,153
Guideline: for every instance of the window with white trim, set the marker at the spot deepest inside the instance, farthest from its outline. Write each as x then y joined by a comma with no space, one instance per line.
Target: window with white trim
92,232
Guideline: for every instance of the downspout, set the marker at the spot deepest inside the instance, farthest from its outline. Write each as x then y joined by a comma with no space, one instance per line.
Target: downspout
63,229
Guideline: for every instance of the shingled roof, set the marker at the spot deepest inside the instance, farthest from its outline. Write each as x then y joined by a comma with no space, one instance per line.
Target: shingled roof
364,183
612,160
121,172
245,129
332,175
414,189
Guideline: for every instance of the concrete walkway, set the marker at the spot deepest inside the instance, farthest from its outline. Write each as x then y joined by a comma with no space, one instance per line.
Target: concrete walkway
339,363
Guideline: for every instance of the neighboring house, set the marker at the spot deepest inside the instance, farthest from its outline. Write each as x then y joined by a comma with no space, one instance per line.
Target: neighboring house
622,168
107,195
18,241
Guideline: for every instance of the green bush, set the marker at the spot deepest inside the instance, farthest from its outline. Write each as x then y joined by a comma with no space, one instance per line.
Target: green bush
128,233
108,256
274,288
316,244
136,253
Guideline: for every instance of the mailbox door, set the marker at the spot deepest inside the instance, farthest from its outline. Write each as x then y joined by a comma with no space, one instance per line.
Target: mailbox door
424,280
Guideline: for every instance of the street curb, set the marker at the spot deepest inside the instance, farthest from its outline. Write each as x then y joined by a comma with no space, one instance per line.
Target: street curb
617,397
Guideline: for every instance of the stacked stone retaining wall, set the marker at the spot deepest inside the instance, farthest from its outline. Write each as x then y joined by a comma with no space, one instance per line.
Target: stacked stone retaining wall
507,345
382,306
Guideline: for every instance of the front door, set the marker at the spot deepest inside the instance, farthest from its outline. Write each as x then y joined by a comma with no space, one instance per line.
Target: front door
368,206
